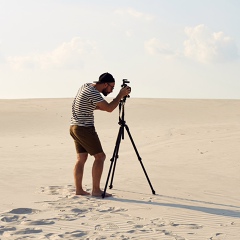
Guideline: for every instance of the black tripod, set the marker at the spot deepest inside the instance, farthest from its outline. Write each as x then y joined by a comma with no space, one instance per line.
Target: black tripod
114,158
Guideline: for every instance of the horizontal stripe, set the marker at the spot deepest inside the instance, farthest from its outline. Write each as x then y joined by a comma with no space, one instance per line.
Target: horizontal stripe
84,104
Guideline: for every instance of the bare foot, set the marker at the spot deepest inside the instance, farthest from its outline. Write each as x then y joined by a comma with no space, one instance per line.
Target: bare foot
99,194
82,192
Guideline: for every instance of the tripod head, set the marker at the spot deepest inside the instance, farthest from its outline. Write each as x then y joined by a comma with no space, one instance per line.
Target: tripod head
124,84
125,81
122,103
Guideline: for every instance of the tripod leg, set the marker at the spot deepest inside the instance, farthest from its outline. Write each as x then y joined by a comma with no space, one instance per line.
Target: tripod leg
113,160
139,158
121,134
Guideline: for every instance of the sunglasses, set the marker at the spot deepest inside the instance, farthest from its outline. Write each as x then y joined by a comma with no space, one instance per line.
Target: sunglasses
110,86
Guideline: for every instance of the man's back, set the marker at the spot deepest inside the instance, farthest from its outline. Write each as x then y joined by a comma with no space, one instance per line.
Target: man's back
84,104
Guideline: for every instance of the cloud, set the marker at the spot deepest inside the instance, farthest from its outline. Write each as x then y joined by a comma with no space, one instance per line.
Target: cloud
135,14
68,54
206,46
155,47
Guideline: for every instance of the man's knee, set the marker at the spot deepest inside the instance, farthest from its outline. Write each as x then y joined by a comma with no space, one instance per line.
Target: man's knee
82,157
100,157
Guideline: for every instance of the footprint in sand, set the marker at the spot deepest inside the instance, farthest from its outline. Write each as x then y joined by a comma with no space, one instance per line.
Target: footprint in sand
112,226
218,236
95,217
76,234
27,231
105,209
189,226
68,217
171,234
9,219
179,238
80,211
159,222
98,228
23,211
105,227
58,190
38,222
118,210
138,226
6,229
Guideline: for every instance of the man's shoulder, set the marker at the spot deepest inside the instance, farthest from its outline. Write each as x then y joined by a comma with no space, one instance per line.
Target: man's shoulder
87,87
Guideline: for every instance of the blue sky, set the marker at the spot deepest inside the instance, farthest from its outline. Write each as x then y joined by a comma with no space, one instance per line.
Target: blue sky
165,48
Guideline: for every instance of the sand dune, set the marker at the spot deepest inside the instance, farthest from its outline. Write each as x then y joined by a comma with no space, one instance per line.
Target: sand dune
190,149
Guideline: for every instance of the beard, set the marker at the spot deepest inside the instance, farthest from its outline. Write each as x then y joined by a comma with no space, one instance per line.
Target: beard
105,92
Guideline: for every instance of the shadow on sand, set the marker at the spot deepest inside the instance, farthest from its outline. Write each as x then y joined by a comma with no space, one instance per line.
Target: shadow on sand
158,201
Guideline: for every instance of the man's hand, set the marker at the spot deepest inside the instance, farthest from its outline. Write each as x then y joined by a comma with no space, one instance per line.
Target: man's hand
109,107
125,91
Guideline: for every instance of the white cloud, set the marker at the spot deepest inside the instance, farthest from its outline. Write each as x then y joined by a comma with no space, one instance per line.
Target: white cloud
155,47
68,54
135,14
206,46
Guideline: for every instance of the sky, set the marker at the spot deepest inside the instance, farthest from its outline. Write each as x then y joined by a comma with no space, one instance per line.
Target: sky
165,48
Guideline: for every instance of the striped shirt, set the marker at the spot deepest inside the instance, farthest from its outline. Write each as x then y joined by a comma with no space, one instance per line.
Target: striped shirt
84,104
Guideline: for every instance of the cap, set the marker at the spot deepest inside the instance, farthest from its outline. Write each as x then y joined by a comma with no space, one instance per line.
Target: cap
105,78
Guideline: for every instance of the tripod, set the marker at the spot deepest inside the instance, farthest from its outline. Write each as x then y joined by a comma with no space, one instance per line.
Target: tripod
114,158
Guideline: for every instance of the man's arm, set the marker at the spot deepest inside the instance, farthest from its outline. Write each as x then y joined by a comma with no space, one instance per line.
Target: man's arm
109,107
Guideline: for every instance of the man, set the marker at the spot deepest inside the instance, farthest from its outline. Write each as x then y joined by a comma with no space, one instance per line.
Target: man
83,132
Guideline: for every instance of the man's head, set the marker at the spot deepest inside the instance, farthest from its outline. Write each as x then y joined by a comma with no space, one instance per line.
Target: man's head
105,84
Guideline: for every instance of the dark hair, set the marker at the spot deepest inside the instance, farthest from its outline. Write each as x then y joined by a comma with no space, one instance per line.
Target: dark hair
105,78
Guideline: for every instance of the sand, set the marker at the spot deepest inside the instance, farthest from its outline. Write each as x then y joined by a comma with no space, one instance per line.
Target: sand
189,148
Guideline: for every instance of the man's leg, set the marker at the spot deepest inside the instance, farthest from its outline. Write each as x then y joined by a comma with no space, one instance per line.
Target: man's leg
97,170
78,173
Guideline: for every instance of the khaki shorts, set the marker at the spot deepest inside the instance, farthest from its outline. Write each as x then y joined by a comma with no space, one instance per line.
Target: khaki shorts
86,139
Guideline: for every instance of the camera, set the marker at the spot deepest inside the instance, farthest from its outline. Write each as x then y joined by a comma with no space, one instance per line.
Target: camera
125,81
